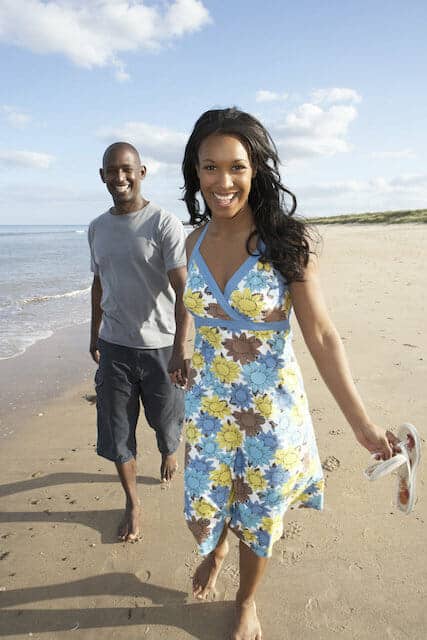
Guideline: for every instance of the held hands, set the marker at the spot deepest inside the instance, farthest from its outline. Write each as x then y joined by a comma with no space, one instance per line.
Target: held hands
382,444
179,370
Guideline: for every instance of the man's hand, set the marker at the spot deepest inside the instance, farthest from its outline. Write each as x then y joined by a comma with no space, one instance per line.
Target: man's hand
179,369
93,350
179,364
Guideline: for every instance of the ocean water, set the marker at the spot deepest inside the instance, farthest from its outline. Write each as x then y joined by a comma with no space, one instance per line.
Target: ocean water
45,283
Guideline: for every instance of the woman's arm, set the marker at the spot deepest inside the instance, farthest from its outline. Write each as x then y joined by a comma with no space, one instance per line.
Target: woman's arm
179,365
327,350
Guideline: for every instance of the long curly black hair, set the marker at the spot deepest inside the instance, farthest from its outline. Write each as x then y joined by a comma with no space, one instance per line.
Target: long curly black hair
287,239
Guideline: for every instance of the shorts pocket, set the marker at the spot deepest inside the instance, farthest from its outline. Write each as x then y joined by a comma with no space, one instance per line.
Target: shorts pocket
99,379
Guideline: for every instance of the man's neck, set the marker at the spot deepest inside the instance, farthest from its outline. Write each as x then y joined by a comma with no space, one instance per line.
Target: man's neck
132,207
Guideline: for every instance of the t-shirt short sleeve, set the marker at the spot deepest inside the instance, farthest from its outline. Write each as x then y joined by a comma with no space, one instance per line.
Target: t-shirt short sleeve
173,243
93,266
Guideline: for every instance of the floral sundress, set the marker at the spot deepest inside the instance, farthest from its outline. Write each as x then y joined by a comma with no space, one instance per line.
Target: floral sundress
250,447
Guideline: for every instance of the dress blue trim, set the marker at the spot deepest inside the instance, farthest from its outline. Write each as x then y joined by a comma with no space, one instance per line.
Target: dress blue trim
237,276
237,321
240,324
200,238
197,245
222,296
214,289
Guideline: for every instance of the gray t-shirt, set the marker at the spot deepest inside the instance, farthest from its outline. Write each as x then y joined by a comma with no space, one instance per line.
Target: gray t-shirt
132,253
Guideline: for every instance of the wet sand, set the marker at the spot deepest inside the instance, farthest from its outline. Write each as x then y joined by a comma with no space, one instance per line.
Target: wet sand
355,571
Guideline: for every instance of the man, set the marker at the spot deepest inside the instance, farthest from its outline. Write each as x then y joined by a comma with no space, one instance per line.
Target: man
139,324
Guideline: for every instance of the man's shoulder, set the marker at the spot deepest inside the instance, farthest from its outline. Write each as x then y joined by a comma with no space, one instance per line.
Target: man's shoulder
99,219
163,216
164,222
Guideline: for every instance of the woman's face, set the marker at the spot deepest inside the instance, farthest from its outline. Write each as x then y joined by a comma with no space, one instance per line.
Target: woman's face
225,174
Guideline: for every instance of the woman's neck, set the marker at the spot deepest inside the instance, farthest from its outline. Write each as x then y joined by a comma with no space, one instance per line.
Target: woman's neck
242,222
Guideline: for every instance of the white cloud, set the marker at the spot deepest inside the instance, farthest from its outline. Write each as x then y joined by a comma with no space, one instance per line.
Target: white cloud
93,34
311,130
308,131
335,95
15,117
162,145
264,95
402,153
377,194
28,159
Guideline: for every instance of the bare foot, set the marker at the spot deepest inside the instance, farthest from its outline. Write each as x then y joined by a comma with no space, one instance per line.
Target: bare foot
129,527
247,625
207,572
168,468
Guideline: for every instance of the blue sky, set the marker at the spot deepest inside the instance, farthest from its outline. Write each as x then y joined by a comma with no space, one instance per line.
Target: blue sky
339,85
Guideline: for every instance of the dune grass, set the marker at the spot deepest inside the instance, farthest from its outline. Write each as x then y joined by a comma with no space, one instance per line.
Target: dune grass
380,217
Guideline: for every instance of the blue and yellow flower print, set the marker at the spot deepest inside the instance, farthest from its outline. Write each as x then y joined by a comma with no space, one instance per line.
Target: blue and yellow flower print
250,447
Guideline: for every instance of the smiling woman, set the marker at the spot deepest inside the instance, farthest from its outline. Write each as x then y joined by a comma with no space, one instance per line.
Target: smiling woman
251,450
225,175
243,178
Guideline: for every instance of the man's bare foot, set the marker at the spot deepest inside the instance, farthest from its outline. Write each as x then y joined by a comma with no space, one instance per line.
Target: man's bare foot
207,572
129,530
247,625
168,468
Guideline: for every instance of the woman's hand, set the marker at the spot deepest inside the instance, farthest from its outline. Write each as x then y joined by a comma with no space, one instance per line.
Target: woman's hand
382,444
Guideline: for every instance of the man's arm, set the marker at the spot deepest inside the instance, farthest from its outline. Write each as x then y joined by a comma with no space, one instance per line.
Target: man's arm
179,364
96,294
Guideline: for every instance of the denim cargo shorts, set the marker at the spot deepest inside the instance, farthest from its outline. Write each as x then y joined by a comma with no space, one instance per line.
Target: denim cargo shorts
125,378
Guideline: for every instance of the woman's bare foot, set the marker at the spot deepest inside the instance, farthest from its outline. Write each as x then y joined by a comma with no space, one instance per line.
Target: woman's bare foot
129,530
247,625
207,572
168,468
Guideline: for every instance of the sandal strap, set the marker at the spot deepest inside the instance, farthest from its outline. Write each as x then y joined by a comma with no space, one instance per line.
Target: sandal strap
384,467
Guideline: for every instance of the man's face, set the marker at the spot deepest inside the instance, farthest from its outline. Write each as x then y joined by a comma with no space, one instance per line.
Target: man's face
122,174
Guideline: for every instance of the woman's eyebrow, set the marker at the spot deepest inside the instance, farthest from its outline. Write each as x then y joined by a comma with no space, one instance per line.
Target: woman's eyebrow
235,160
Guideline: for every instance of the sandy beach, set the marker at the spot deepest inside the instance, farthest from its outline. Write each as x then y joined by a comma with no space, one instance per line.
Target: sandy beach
357,570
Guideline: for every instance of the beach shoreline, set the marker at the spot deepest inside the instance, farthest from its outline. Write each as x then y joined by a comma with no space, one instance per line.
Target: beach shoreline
355,571
46,370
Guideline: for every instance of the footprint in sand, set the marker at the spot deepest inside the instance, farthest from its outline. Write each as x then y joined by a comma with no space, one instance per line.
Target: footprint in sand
331,463
231,572
335,432
312,604
291,557
292,530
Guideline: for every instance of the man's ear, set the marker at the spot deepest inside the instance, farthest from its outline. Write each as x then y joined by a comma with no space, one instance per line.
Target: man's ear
101,173
143,171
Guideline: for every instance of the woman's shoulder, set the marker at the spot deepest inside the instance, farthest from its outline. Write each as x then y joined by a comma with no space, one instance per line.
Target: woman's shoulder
192,239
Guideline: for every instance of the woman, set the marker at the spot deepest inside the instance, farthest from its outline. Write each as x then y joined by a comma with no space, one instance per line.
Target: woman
251,451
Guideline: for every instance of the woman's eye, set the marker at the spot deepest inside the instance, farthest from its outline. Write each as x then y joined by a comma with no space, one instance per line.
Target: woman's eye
239,167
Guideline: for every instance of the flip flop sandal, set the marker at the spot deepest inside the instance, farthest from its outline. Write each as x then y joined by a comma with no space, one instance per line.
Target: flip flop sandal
410,446
405,463
382,468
